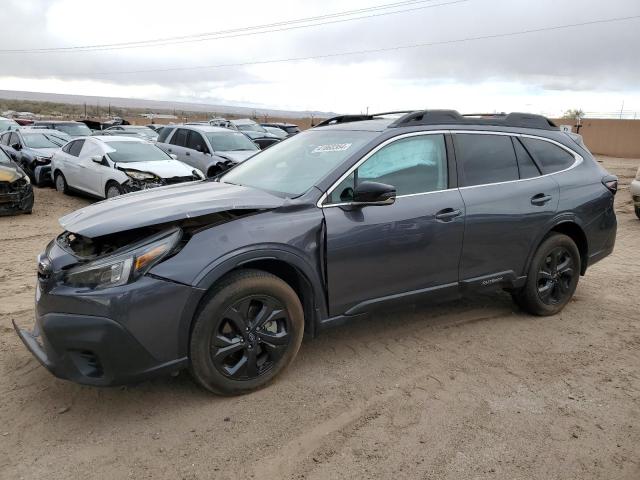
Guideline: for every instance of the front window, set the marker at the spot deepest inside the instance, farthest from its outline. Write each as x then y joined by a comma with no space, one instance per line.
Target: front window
291,168
73,129
412,165
4,158
42,140
229,142
128,152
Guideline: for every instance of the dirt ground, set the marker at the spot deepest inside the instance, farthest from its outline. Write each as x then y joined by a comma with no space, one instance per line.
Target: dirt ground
469,390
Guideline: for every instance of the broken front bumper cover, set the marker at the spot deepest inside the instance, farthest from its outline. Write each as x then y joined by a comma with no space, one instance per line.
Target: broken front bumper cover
15,199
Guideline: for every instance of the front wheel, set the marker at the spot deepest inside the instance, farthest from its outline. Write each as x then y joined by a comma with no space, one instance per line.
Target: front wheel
638,212
553,277
113,190
249,329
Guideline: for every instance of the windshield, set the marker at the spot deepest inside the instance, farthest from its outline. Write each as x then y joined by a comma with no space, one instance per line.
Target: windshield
252,127
293,167
42,140
74,129
229,141
125,152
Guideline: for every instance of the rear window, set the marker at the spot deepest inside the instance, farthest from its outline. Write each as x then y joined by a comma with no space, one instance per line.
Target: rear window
550,157
164,133
527,166
485,158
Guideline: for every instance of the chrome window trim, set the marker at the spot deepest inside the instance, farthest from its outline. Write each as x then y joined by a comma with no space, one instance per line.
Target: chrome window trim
578,160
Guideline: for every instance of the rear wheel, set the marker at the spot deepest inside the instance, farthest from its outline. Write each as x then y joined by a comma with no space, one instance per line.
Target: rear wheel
248,331
553,277
61,183
638,212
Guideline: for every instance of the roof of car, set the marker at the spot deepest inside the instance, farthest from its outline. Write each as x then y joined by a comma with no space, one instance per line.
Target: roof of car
441,117
206,128
118,138
42,122
376,125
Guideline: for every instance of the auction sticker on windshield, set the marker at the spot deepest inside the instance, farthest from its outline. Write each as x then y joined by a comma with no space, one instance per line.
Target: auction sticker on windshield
336,147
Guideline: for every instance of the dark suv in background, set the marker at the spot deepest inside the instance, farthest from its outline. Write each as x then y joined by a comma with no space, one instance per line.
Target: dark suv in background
224,276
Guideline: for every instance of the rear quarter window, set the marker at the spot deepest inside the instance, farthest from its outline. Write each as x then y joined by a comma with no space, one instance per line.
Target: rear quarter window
549,156
164,133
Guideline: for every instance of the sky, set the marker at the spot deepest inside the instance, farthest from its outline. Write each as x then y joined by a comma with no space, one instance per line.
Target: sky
450,63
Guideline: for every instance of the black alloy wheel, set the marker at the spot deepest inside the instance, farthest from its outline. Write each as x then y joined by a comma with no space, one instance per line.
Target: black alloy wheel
248,329
555,276
552,277
251,338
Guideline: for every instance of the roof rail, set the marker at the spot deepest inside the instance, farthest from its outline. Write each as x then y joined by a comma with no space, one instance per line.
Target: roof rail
452,117
358,117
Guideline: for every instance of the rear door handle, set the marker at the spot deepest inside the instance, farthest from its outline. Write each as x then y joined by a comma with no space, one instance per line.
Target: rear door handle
187,153
169,150
540,199
448,214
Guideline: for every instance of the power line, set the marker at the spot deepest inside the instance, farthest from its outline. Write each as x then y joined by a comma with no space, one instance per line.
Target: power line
242,31
368,51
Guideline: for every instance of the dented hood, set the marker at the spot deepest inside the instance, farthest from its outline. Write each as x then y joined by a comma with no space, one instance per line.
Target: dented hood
165,204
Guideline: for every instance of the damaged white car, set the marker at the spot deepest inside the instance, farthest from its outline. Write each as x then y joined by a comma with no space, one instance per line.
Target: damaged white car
108,166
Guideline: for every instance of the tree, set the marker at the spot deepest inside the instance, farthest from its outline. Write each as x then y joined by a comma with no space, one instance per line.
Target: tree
576,113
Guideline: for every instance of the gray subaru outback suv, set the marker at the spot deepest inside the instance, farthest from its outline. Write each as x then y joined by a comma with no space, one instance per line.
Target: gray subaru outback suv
224,276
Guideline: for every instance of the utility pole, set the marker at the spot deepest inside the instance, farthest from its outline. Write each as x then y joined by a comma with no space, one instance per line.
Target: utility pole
621,108
85,109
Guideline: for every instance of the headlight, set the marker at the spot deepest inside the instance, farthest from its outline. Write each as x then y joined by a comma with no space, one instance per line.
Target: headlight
140,175
125,267
43,160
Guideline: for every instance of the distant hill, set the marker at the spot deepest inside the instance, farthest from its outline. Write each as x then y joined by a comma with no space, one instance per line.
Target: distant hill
156,104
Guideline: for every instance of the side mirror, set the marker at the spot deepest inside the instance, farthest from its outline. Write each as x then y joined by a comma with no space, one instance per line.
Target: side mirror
97,159
374,193
174,156
16,146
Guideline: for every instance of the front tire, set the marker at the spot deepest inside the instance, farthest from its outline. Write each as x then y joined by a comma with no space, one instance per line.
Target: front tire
553,277
249,329
637,212
113,189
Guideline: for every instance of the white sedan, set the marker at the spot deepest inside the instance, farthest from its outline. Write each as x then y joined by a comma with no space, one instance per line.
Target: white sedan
107,166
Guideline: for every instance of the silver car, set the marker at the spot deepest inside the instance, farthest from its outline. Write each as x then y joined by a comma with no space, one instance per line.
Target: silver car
635,193
209,149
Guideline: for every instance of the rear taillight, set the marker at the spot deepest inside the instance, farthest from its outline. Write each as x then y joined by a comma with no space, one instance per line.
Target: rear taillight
611,182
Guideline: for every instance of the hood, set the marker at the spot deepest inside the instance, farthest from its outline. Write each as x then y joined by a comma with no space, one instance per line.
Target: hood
165,204
10,173
161,168
41,152
238,155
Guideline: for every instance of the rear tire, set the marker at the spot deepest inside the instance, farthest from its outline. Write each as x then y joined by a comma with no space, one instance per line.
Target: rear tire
249,329
61,183
552,278
638,212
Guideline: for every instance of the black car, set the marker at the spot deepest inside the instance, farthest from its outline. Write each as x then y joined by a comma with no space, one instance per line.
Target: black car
16,193
290,128
224,276
32,149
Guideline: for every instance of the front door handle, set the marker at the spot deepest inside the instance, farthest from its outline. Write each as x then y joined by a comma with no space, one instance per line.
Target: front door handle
187,153
448,214
169,150
540,199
